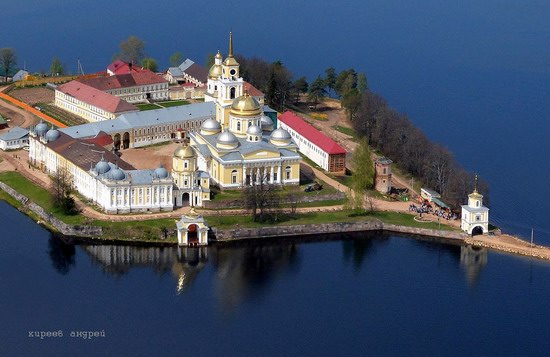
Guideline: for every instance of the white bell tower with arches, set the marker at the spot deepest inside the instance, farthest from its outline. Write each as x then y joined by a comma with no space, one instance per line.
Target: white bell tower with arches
475,216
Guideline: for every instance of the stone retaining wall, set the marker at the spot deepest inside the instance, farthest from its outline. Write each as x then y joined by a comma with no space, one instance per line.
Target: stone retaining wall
327,228
66,229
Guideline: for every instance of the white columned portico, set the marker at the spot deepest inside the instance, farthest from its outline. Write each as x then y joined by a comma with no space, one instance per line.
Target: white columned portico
279,174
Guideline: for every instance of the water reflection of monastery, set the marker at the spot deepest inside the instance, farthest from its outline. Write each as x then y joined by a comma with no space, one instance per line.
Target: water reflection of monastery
184,263
237,268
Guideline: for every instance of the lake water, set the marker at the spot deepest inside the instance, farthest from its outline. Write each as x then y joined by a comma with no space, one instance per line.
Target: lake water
364,295
474,75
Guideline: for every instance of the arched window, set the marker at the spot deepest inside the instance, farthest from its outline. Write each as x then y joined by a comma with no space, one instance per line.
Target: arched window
232,93
234,176
238,126
288,171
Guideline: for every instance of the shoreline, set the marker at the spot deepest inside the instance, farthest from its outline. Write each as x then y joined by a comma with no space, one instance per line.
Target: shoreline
92,234
83,234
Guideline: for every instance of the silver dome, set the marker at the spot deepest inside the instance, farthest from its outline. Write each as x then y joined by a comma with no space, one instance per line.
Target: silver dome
161,172
102,166
266,122
254,130
52,135
117,174
227,137
280,134
41,129
211,124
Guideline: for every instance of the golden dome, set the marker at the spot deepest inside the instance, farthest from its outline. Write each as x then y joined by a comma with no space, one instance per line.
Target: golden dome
245,105
230,61
215,71
184,152
219,55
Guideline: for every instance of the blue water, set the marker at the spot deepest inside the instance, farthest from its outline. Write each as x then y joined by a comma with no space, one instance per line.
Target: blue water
365,295
474,75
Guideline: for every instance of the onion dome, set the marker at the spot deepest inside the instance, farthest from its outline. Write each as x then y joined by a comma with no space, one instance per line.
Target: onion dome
227,140
210,126
184,152
161,172
245,106
52,135
280,137
41,128
216,69
102,166
117,174
267,123
254,130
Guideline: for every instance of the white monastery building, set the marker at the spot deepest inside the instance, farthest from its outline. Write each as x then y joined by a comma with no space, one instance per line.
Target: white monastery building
315,145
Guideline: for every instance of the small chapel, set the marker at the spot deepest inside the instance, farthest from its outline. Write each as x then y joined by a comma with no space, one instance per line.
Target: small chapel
475,216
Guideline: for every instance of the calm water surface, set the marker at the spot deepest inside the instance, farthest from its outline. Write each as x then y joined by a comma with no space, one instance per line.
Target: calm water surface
363,295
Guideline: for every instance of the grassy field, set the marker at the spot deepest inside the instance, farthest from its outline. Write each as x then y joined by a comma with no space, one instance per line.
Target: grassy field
38,195
143,107
173,103
160,105
396,218
345,130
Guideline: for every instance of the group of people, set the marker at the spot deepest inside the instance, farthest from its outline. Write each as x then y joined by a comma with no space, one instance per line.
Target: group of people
427,208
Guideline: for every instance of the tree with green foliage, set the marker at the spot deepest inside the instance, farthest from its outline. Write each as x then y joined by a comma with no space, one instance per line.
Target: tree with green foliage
351,102
345,81
8,60
132,50
363,175
317,91
330,79
300,86
362,83
150,64
56,68
279,85
176,59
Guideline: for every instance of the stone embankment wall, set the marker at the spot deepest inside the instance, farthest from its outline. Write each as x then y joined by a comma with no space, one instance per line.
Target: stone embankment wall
327,228
66,229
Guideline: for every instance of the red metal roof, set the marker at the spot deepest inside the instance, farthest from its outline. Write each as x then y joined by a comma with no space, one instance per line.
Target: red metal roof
121,67
253,91
311,134
96,97
124,80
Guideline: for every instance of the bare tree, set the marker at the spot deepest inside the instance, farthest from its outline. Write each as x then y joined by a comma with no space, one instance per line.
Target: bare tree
132,50
292,197
61,190
8,59
261,198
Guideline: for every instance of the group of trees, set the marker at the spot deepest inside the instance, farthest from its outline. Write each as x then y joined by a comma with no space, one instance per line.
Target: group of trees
264,200
398,138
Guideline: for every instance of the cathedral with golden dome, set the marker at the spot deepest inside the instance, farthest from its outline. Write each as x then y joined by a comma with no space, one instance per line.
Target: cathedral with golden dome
239,147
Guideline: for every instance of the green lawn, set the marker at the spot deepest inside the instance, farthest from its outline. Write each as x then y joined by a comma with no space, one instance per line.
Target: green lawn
143,107
226,222
345,130
38,195
174,103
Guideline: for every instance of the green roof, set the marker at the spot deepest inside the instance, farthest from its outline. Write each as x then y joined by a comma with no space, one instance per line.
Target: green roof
2,120
440,203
